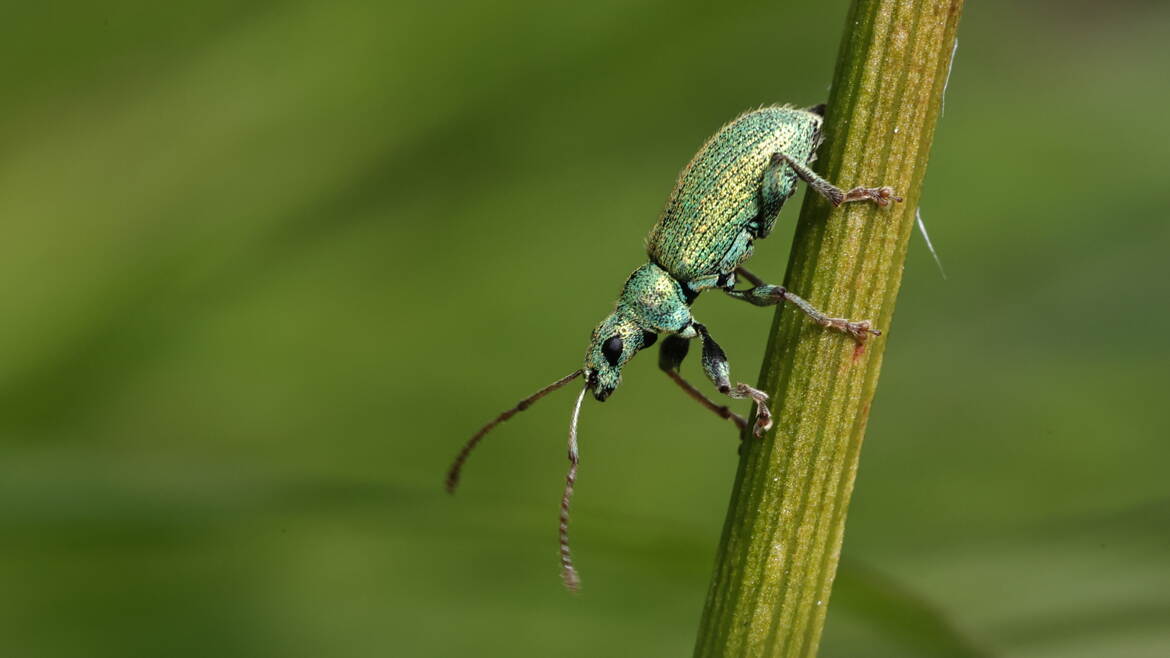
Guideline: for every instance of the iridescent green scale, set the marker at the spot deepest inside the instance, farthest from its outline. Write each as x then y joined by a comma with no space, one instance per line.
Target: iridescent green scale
714,212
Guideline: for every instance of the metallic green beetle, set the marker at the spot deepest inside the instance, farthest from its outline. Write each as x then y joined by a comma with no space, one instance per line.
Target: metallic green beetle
727,197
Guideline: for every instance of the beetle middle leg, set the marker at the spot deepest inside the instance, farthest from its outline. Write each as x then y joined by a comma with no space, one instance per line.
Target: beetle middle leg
715,365
766,295
670,356
836,196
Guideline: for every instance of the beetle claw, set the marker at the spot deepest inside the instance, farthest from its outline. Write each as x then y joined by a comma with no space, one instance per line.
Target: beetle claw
763,424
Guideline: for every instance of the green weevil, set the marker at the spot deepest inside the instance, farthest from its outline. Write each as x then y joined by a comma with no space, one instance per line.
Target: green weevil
726,198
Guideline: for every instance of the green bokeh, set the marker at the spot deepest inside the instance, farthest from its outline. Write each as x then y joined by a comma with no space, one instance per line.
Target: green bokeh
267,265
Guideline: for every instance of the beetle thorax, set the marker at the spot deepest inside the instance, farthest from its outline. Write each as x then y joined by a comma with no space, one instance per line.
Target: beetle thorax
655,300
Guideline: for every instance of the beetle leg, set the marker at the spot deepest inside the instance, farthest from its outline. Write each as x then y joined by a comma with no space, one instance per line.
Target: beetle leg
715,365
879,195
747,274
772,196
670,356
767,295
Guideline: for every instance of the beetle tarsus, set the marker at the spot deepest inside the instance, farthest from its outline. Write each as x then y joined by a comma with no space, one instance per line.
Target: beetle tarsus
763,415
882,196
860,330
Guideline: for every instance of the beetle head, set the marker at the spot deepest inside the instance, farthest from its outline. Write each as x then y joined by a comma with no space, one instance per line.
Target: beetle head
615,341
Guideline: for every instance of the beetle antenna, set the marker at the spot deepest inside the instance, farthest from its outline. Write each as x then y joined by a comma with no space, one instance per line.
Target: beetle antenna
572,580
457,465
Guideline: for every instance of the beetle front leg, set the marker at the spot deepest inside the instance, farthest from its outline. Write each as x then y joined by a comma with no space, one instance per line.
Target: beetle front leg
767,295
670,356
719,372
836,196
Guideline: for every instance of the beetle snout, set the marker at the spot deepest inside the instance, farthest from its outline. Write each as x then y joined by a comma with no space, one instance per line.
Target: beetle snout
593,383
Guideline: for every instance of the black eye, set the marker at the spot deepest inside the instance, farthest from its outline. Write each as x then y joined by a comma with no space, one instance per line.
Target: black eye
612,350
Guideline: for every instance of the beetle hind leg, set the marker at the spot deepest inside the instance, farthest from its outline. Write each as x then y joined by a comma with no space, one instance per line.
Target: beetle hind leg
882,196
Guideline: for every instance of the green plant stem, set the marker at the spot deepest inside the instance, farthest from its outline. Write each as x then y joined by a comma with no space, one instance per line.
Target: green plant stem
782,538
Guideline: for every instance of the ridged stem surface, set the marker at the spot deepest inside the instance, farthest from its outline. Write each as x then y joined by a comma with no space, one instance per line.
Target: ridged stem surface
778,556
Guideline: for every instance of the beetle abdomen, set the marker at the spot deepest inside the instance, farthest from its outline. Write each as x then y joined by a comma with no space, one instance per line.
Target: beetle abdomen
703,230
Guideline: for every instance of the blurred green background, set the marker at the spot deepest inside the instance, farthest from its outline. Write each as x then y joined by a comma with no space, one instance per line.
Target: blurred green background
266,265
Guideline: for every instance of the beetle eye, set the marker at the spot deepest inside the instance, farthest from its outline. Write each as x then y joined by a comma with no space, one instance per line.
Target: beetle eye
612,350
